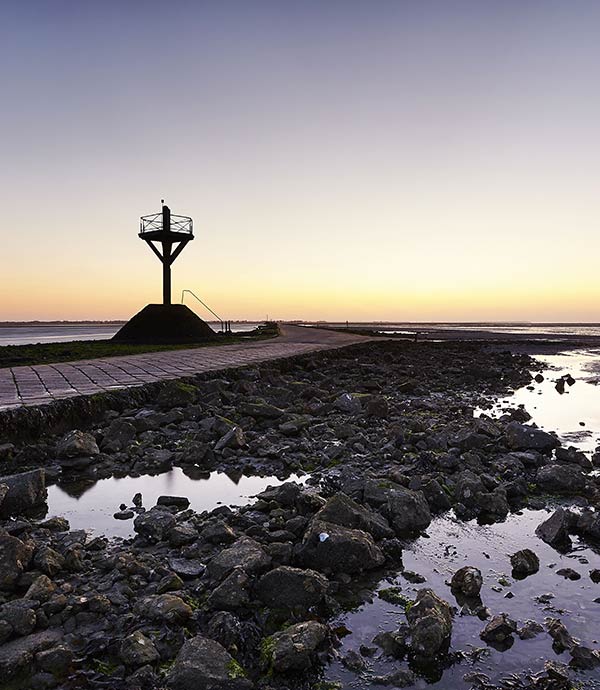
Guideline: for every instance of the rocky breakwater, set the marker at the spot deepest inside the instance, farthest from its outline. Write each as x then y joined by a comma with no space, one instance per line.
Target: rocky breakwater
246,597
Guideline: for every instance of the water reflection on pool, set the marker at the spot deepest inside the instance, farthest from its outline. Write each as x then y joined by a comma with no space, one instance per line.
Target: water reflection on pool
564,412
88,504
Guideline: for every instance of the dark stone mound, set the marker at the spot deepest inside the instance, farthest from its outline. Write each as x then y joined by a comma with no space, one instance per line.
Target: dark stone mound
165,324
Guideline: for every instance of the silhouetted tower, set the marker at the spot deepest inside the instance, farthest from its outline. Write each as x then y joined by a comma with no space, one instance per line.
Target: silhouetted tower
173,233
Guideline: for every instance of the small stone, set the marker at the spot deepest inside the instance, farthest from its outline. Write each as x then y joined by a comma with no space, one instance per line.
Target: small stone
137,650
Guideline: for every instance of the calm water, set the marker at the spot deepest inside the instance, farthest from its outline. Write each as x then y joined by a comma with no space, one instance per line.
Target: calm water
27,334
88,504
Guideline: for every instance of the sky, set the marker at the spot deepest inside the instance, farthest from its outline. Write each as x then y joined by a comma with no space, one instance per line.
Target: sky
374,159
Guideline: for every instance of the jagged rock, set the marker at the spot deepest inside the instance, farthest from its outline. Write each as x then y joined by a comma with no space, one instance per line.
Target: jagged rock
17,655
436,497
524,563
26,490
406,510
555,530
232,593
348,403
499,630
179,502
137,650
48,560
56,660
234,438
187,567
467,581
529,630
286,587
285,494
14,558
164,608
561,638
260,410
176,394
226,629
573,456
154,524
203,664
118,436
588,525
77,444
430,622
569,574
20,615
562,479
41,589
294,649
401,678
470,492
522,437
245,553
332,548
342,510
584,658
393,643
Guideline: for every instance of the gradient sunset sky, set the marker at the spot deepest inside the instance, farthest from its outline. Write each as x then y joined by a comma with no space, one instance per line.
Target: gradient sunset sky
393,160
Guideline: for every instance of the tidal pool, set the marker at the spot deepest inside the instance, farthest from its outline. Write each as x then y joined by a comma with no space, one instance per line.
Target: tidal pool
452,544
90,505
573,414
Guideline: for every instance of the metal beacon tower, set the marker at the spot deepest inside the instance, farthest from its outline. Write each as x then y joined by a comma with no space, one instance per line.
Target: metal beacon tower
167,235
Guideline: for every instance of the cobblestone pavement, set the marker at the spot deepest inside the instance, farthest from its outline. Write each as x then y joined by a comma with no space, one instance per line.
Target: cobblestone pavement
42,383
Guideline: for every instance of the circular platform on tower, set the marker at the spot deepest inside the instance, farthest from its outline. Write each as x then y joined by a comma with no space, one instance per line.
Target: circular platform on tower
165,324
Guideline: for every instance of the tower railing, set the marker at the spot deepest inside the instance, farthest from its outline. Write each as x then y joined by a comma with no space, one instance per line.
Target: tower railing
154,223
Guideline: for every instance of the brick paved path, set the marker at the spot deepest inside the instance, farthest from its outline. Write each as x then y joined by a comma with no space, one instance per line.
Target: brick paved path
43,383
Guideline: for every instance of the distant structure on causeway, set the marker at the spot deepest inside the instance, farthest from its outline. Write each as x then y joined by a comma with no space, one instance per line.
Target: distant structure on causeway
167,235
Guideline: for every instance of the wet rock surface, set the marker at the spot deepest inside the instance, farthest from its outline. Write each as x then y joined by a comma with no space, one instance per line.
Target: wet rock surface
259,596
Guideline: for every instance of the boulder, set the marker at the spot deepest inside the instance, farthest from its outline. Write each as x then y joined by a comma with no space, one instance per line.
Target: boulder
232,593
25,492
562,479
294,649
290,588
555,530
234,438
499,630
119,435
164,608
245,553
154,524
430,622
16,656
203,664
333,548
523,437
342,510
467,581
407,511
588,525
176,394
179,502
524,562
137,650
348,403
14,558
285,494
77,444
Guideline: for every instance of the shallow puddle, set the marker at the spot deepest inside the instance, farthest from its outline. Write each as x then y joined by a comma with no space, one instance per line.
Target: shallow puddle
453,544
91,505
564,412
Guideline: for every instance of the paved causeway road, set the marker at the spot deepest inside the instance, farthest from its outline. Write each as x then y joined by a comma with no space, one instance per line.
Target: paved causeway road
43,383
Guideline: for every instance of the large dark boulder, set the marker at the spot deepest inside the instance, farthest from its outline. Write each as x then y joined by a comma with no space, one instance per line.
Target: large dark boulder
562,479
14,559
154,525
523,437
295,648
407,511
555,530
203,664
332,548
26,491
430,622
246,553
524,562
290,588
77,444
342,510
